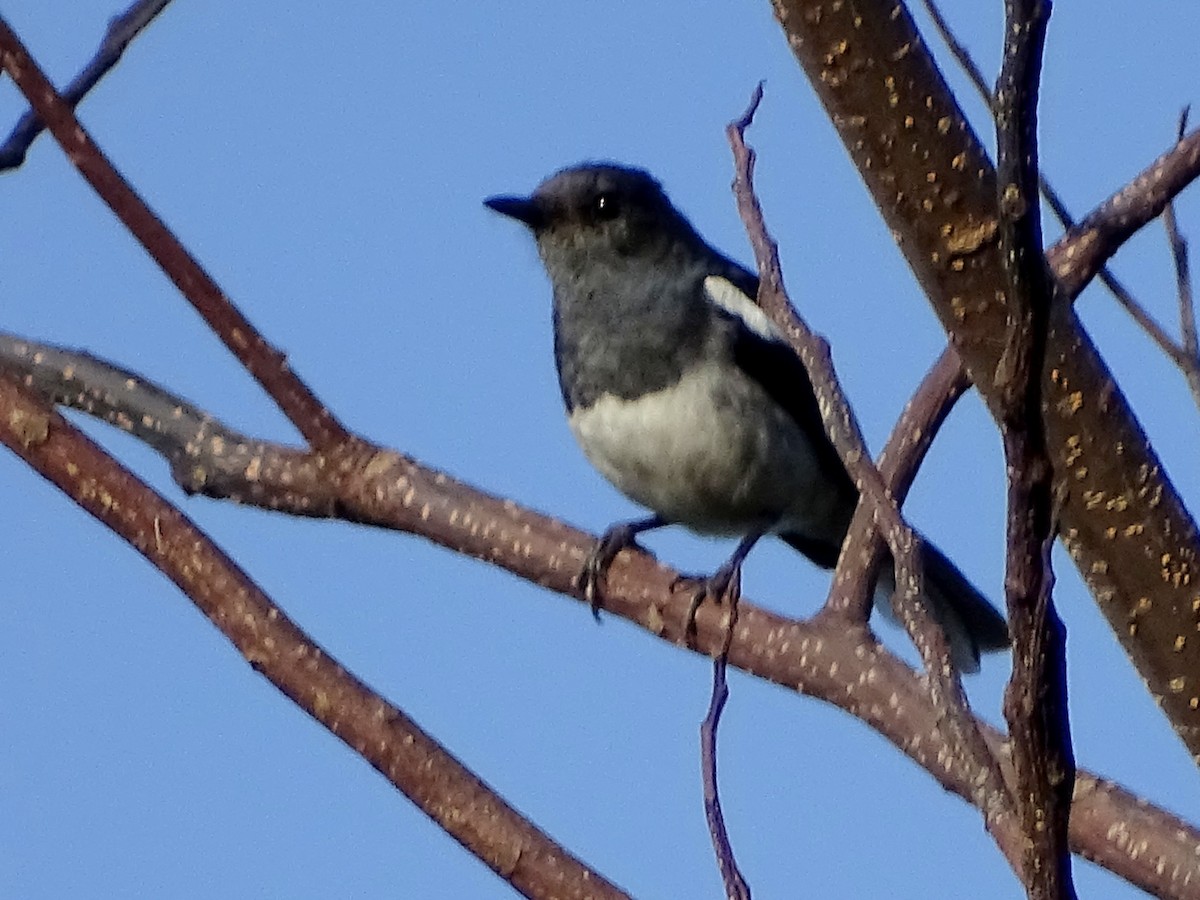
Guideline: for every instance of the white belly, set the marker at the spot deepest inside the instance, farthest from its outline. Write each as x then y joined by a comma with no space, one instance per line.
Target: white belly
713,453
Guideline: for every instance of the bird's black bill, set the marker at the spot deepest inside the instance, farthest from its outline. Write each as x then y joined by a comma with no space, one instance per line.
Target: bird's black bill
523,209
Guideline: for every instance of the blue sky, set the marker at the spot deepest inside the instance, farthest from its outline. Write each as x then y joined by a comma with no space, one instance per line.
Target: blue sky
328,170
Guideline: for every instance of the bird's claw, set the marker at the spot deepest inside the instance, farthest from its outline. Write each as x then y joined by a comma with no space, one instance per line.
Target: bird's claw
595,567
724,583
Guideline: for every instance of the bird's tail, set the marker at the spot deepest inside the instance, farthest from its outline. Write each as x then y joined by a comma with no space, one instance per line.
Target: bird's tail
972,625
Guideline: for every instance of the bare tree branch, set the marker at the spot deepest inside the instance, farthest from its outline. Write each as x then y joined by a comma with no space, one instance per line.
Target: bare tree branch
1123,522
1035,703
1080,253
205,455
427,774
736,887
821,658
846,436
122,30
1188,364
267,364
1190,347
836,415
864,549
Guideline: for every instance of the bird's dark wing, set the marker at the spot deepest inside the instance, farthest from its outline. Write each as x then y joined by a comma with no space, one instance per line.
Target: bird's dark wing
778,370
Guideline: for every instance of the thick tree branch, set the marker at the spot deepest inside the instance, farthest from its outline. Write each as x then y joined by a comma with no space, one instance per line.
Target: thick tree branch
1123,522
1189,364
427,774
1035,703
205,455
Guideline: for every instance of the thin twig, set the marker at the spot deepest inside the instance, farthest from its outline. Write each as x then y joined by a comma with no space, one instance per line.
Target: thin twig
267,364
839,421
1188,364
945,687
864,549
1183,285
1035,702
1078,255
736,887
122,29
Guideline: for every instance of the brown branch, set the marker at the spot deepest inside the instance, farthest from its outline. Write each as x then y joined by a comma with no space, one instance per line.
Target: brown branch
426,773
736,887
398,493
122,30
821,658
840,424
1190,347
205,455
1122,520
1074,257
864,549
1035,702
843,430
267,364
1188,364
1079,254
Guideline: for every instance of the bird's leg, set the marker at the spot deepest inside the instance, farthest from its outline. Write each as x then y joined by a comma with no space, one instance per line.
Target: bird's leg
725,582
612,542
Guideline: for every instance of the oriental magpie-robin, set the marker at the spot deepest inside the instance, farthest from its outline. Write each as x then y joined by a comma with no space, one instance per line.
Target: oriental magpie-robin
682,394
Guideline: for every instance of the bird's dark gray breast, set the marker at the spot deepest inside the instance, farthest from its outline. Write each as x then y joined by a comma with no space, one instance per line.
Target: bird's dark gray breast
626,343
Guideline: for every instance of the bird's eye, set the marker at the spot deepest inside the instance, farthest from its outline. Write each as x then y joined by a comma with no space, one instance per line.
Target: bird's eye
606,206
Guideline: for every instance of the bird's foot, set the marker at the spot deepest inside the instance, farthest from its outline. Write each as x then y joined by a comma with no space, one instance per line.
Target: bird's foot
595,567
725,583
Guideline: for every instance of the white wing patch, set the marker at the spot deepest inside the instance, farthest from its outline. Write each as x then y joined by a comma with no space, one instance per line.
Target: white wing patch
726,295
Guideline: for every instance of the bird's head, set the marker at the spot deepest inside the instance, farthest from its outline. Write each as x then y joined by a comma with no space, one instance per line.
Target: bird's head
597,215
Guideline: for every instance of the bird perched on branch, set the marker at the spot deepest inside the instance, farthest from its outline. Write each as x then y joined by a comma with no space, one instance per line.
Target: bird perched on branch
682,394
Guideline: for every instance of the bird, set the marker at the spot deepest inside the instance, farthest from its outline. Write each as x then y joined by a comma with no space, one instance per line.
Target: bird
683,395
